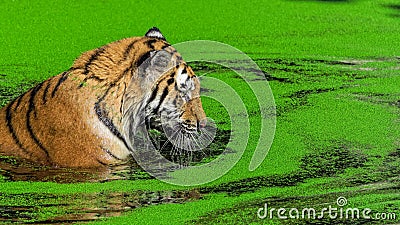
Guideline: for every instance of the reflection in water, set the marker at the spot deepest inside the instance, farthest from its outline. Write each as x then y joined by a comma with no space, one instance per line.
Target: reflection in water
13,169
38,208
45,208
18,170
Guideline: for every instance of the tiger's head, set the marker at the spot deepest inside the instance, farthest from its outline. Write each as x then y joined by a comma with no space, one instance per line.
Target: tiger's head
175,100
170,93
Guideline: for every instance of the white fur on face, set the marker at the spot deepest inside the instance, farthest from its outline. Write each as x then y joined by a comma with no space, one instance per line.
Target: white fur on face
184,83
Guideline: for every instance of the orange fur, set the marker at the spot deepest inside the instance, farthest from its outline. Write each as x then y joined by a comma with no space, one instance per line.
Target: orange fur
81,117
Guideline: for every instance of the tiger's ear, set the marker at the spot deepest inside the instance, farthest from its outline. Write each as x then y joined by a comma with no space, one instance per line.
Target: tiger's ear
154,32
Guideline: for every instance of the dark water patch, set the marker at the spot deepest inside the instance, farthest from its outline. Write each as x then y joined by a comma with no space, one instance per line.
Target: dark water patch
387,171
378,98
326,162
393,6
309,70
294,100
15,214
334,160
394,155
371,94
41,208
205,67
331,1
262,75
334,62
334,0
16,79
396,103
10,91
205,90
305,93
269,77
290,105
255,183
390,167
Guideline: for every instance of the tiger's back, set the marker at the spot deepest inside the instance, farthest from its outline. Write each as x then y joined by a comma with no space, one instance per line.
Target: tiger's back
81,118
43,127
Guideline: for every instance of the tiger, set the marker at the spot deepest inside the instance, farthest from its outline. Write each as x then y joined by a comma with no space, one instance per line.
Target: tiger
87,116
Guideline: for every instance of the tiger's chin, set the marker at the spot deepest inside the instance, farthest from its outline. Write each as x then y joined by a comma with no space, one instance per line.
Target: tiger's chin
178,136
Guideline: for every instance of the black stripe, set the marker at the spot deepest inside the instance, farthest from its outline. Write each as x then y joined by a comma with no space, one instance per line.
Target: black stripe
32,108
63,77
170,81
162,98
128,50
126,71
76,68
105,94
139,62
102,116
110,153
94,77
46,91
92,58
150,43
176,87
184,70
109,58
175,100
142,58
153,95
102,163
91,77
11,128
19,102
166,46
32,98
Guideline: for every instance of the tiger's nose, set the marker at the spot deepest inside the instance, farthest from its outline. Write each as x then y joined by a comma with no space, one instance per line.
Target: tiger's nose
202,123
